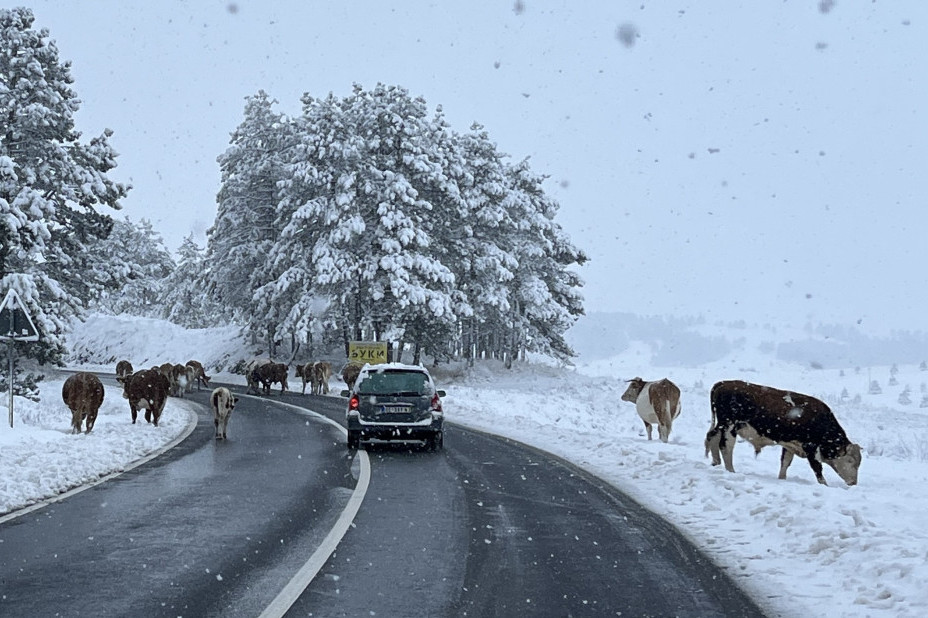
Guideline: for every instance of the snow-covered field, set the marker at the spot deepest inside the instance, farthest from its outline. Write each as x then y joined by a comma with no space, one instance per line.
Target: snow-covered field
800,548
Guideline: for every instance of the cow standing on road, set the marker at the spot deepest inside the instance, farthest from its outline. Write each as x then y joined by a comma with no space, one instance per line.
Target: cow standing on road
199,373
223,402
657,403
350,373
305,373
147,389
765,416
321,372
270,373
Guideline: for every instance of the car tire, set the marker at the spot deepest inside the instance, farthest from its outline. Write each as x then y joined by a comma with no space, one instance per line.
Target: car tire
354,440
436,441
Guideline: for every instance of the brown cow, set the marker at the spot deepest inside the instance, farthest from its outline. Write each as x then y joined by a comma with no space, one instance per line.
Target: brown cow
123,369
765,416
253,375
269,373
147,389
200,373
305,372
350,373
167,370
83,394
658,403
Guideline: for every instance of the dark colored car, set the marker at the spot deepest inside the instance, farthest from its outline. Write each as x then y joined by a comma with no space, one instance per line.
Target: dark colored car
395,402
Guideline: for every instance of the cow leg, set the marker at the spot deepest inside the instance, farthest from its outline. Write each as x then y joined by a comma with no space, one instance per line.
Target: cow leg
664,418
786,458
216,423
135,413
728,447
816,466
663,432
647,426
713,438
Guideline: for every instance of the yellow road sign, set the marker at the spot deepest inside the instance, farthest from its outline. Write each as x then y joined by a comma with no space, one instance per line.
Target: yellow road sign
372,352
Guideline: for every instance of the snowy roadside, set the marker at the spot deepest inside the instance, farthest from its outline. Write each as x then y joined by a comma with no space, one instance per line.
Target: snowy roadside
42,459
798,547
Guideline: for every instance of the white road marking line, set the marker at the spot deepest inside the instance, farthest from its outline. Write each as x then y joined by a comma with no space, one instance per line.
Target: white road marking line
295,587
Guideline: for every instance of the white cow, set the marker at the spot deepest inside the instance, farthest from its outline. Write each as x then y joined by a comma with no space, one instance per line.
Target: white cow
223,403
658,403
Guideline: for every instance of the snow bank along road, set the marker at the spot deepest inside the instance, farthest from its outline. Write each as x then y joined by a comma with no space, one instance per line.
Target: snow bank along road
485,527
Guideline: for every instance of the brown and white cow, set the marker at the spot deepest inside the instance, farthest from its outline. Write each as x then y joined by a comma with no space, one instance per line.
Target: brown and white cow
223,402
657,403
123,369
179,380
765,416
146,389
191,373
199,373
83,394
322,371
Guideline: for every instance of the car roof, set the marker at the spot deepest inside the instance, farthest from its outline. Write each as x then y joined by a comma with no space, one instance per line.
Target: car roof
394,367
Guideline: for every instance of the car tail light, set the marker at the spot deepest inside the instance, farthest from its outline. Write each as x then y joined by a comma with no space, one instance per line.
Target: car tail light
354,402
436,403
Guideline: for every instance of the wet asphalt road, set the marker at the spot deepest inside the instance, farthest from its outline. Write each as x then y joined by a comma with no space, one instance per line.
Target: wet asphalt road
208,529
486,527
489,527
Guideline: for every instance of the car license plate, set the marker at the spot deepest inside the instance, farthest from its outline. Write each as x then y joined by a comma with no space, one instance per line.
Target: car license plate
394,409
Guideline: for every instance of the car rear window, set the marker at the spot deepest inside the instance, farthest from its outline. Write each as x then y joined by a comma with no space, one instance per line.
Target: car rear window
407,383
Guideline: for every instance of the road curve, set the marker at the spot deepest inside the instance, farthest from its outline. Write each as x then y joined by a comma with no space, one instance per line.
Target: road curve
491,527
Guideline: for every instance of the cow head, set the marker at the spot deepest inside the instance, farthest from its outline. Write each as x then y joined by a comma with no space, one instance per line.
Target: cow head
846,463
634,389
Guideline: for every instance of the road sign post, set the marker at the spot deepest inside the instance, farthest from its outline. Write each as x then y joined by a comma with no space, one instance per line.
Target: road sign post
15,325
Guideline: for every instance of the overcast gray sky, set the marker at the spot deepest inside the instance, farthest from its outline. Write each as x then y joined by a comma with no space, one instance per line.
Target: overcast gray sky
763,161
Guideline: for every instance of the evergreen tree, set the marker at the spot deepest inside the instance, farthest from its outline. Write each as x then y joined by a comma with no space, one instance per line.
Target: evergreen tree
389,226
138,262
182,298
246,226
51,184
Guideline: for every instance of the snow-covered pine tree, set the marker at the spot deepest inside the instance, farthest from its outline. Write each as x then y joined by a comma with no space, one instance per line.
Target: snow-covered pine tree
545,291
182,298
51,184
479,242
359,193
246,227
135,261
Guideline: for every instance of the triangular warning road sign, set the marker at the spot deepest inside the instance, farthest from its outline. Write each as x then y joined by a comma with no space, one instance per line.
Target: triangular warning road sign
15,322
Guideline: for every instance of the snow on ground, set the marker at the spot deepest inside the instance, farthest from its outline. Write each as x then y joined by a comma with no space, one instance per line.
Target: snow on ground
800,548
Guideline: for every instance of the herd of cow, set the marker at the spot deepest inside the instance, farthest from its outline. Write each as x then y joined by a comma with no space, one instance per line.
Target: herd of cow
762,415
149,389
